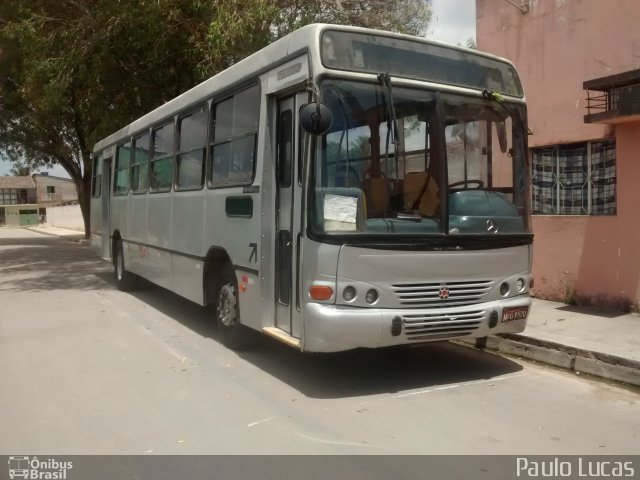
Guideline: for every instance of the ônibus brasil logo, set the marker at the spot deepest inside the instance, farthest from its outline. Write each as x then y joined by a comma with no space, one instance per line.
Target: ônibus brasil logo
36,469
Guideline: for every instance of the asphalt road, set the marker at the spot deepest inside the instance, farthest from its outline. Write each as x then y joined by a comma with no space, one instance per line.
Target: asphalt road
86,369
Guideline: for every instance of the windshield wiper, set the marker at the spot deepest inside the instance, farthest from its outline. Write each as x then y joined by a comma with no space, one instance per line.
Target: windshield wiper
385,81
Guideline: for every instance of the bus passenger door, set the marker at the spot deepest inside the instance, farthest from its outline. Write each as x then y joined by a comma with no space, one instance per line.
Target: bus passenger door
105,226
288,215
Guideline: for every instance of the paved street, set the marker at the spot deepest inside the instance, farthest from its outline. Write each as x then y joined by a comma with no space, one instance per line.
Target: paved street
86,369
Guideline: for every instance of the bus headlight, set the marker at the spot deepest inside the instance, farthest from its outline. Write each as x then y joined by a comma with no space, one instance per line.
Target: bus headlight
372,296
504,289
349,293
520,285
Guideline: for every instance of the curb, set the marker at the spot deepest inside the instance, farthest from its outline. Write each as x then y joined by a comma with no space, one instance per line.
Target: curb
79,238
574,359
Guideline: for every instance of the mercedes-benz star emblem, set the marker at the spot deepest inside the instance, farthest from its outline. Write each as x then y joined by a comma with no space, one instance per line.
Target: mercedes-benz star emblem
491,226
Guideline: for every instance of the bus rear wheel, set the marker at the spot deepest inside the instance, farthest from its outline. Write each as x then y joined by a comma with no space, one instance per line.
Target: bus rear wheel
233,334
125,281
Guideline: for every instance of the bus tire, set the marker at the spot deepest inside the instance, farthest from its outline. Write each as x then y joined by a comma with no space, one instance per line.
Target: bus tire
233,334
125,281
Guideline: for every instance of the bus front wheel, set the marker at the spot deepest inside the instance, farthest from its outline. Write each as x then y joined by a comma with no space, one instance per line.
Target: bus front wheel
125,281
233,334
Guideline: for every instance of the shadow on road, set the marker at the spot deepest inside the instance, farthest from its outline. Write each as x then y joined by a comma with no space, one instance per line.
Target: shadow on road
48,263
344,374
28,264
366,372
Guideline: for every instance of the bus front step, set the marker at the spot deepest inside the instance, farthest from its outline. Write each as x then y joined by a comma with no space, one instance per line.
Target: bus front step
282,336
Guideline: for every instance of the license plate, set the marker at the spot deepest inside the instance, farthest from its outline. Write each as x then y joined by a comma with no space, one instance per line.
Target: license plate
514,313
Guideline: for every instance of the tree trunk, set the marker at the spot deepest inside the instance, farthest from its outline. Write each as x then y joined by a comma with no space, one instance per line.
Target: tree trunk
83,187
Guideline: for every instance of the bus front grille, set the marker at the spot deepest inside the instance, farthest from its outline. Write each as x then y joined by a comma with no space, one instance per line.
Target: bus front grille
440,326
441,294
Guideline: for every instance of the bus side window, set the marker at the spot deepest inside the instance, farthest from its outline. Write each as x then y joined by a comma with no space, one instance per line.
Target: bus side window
233,142
162,159
96,187
192,141
140,164
123,162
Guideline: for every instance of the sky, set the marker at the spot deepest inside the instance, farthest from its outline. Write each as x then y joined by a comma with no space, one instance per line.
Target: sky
453,21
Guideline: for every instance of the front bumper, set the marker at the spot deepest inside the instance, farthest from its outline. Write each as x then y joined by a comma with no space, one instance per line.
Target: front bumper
334,328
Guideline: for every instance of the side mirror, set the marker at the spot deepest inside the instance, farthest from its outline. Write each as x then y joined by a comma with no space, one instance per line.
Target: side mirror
316,118
501,130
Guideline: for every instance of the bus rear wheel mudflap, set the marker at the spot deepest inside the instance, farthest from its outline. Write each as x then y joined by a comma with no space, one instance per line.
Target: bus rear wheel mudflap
125,281
233,334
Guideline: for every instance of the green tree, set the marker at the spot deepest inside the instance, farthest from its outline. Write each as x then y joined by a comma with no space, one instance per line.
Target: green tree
74,71
18,170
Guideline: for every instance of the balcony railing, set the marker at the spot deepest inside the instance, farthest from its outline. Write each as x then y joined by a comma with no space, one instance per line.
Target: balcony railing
613,99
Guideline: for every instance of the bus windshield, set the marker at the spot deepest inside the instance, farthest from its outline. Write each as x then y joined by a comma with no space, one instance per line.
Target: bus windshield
413,162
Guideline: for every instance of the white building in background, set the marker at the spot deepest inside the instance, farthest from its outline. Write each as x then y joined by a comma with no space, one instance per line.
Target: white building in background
54,190
18,201
24,199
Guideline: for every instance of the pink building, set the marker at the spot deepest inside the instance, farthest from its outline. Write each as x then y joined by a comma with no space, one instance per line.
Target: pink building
579,61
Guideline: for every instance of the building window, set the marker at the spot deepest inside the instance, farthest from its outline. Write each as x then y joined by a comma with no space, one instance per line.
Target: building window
575,179
8,196
51,189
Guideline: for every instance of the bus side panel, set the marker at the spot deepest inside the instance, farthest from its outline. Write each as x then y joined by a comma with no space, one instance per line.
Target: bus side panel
159,231
187,244
240,237
137,229
119,213
187,277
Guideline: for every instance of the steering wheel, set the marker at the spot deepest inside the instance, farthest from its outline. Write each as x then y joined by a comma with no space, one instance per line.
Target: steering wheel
477,183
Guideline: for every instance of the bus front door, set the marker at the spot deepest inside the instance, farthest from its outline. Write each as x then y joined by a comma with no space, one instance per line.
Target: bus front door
288,215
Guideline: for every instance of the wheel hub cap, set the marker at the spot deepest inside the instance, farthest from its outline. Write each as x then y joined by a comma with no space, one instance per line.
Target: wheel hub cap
227,311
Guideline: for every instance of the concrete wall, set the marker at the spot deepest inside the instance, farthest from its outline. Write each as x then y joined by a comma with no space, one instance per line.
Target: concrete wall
12,214
556,47
68,216
65,189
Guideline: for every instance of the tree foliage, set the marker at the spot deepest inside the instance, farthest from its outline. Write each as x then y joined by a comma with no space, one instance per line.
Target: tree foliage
20,170
73,71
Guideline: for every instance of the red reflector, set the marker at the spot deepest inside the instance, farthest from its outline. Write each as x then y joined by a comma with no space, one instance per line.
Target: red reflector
320,292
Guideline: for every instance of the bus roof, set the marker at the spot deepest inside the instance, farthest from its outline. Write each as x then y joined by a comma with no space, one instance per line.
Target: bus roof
283,49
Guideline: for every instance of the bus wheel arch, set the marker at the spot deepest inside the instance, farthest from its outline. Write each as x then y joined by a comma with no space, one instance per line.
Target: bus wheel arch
221,297
125,280
217,263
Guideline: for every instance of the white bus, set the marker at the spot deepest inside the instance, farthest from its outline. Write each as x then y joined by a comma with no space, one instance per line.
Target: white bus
340,188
